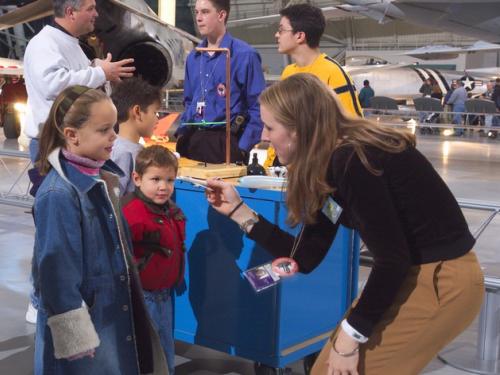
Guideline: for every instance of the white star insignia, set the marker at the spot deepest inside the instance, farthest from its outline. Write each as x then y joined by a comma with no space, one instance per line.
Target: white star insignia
468,83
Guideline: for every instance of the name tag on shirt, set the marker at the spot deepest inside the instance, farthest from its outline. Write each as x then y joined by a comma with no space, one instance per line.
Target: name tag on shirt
200,108
332,210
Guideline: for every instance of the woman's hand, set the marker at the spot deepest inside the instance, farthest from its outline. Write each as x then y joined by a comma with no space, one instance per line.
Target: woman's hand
339,365
225,199
222,196
89,353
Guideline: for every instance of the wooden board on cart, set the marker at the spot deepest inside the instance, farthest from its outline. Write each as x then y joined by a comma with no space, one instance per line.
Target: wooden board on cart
200,170
196,169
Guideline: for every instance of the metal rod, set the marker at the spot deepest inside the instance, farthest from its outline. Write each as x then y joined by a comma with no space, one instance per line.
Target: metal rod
15,153
485,223
19,177
228,96
478,204
17,201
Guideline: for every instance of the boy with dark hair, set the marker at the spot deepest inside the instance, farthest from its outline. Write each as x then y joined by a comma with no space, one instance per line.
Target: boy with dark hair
157,227
308,19
299,33
137,103
300,30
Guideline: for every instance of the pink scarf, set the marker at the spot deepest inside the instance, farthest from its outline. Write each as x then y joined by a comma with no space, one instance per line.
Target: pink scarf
85,165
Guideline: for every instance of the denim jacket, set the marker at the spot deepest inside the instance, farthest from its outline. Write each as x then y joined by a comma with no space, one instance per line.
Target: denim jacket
89,291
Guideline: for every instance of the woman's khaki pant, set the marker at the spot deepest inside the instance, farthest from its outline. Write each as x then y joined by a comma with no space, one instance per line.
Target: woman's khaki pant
436,302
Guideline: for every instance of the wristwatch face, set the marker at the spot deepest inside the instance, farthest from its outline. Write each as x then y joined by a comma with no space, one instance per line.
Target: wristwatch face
253,220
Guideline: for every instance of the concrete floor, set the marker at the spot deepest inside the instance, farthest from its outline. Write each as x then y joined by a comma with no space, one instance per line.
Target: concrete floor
470,166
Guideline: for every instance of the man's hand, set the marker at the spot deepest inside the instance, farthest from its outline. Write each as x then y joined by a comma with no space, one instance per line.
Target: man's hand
117,70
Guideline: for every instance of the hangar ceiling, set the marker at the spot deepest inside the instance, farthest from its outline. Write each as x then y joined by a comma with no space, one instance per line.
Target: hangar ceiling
345,29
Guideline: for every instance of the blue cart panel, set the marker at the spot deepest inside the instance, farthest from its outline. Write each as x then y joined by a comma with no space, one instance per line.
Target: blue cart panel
217,308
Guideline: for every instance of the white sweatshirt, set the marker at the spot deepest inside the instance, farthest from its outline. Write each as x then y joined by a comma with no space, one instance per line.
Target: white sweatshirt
54,61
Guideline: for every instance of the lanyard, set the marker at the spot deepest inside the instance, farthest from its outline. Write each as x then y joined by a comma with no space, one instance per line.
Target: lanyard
296,242
203,82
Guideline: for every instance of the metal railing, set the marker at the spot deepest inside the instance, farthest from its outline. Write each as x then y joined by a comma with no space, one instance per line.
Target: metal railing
411,117
174,100
484,358
17,193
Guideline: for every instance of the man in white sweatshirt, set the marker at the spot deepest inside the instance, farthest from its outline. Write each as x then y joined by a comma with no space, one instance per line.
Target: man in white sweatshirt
54,61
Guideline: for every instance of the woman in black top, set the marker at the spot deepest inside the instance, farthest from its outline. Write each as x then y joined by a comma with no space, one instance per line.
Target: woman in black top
425,286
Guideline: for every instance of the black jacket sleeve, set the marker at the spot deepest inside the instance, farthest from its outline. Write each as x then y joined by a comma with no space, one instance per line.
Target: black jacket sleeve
312,248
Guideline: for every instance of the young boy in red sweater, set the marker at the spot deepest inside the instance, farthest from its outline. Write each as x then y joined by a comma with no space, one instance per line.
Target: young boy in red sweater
157,226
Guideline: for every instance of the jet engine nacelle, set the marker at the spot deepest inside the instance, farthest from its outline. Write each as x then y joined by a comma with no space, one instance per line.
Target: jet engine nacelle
124,35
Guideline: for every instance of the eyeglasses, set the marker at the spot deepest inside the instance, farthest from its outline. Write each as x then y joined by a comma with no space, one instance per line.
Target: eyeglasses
280,30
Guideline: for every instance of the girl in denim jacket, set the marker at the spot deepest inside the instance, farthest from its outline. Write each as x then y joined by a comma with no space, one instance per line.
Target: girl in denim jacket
92,318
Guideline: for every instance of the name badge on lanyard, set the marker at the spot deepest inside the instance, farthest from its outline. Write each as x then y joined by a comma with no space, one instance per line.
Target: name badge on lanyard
200,108
261,277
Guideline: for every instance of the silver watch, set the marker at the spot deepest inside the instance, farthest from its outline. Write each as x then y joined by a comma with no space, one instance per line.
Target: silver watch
249,222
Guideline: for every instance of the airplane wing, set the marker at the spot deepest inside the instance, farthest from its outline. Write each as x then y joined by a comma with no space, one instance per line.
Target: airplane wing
441,52
436,52
141,9
381,11
27,13
482,46
479,19
488,74
361,69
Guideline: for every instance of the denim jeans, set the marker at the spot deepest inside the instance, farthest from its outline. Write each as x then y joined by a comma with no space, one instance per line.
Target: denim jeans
495,121
457,117
34,147
160,307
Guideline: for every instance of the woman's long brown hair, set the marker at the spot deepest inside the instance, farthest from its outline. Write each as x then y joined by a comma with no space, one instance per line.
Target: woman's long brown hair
305,105
75,115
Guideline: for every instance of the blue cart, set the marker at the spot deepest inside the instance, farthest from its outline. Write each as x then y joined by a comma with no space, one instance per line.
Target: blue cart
217,307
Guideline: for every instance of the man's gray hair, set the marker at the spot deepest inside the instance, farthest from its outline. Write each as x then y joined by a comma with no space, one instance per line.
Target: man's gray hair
61,5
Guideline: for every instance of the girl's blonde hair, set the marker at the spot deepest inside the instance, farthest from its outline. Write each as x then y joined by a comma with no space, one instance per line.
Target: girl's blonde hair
71,108
305,105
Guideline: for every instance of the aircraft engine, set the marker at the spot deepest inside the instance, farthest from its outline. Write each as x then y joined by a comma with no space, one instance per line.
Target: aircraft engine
151,60
128,35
